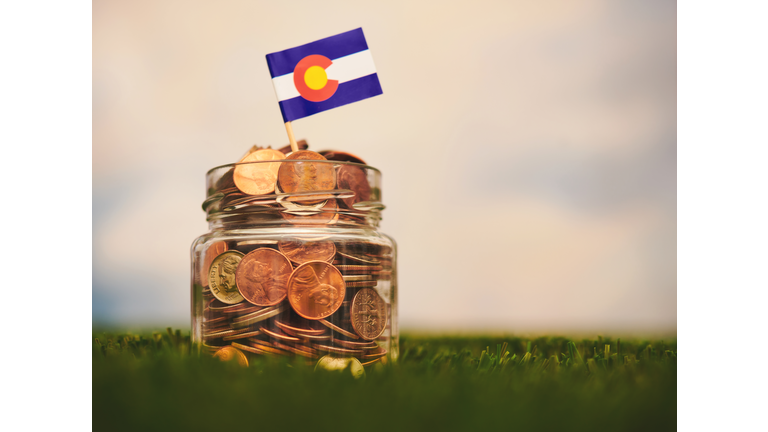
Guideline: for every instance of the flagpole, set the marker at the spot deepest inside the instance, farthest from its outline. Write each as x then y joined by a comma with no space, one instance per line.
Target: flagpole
289,128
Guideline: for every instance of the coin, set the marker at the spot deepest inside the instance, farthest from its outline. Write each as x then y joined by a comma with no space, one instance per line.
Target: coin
310,337
301,176
221,277
338,329
278,335
228,353
346,269
330,363
368,314
254,177
213,250
362,284
262,277
341,156
316,290
356,345
372,361
303,251
379,354
354,178
357,278
290,328
255,317
326,215
337,350
359,258
241,335
296,350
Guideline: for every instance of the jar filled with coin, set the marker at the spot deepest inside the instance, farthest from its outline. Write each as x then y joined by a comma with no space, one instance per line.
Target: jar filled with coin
294,263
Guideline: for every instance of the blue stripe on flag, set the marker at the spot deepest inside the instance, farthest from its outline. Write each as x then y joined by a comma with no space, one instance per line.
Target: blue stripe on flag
348,92
344,44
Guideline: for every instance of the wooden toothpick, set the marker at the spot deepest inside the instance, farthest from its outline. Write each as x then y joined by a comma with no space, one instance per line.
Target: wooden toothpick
294,146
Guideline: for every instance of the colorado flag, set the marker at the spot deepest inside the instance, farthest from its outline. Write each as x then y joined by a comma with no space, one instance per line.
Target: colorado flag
324,74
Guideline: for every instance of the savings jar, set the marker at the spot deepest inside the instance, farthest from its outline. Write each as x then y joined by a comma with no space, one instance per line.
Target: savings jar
294,263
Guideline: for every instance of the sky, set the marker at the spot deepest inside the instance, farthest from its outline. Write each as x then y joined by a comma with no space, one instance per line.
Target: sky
528,152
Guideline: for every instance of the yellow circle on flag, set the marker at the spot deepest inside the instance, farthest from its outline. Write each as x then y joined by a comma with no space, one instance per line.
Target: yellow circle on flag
315,77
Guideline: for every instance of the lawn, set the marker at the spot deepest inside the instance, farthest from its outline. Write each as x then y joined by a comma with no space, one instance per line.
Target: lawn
150,381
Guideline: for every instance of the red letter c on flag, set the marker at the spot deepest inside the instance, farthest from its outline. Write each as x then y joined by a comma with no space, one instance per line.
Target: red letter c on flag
323,87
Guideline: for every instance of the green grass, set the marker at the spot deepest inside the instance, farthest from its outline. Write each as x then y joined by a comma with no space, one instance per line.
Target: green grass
151,382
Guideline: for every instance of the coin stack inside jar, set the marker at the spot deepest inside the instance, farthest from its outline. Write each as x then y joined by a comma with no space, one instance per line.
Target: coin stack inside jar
299,288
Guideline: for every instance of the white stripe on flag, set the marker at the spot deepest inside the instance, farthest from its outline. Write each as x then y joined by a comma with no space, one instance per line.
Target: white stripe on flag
343,69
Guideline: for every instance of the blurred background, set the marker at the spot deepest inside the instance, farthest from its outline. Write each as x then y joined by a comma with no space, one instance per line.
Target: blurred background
528,152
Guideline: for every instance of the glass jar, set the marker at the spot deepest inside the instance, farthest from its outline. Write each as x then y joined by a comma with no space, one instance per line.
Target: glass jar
294,264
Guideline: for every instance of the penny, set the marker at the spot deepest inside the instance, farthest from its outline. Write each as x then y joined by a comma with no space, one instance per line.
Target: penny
371,362
341,156
299,176
357,268
221,277
262,277
214,334
330,363
255,317
268,349
325,215
356,345
354,178
257,350
377,355
243,311
278,335
337,350
296,350
242,335
310,337
362,284
316,290
368,314
359,258
357,278
338,329
228,353
214,320
309,331
303,251
254,176
213,250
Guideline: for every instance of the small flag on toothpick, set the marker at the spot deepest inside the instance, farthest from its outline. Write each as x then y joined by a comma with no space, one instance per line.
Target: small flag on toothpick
322,75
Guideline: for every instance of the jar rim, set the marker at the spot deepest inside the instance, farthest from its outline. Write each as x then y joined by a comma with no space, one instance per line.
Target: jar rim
232,165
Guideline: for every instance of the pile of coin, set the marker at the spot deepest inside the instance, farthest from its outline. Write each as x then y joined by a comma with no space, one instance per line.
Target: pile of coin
292,292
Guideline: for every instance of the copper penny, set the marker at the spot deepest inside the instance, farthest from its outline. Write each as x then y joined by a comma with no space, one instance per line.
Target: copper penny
255,177
316,290
356,345
341,156
296,350
337,350
338,329
221,277
228,353
262,277
213,250
354,178
242,335
289,328
358,268
359,258
368,314
310,337
326,215
302,251
362,284
299,176
278,335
